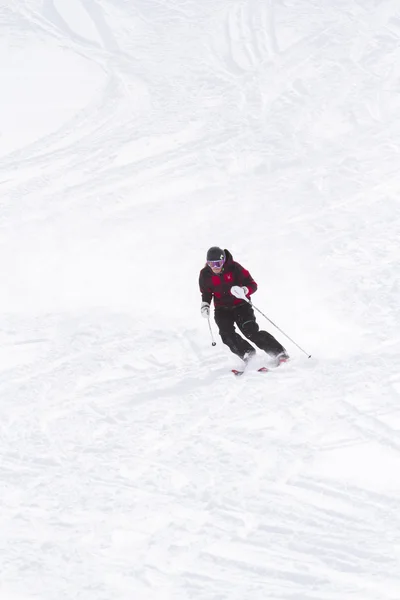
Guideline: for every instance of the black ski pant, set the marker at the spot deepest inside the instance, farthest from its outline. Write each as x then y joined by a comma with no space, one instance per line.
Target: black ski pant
243,316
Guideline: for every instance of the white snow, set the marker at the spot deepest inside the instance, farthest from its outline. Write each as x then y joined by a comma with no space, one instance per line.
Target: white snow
133,136
43,85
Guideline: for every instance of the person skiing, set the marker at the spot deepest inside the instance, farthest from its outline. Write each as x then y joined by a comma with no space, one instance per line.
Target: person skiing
229,284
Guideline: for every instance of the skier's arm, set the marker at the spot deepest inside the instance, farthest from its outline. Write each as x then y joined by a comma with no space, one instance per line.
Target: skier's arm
246,280
206,293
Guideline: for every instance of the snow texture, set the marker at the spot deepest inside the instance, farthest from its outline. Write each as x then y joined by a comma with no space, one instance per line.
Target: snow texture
133,136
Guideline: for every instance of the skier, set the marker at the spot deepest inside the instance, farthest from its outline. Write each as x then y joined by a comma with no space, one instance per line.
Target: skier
229,283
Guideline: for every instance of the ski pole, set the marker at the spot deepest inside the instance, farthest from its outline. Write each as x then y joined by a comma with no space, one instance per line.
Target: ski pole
279,329
213,343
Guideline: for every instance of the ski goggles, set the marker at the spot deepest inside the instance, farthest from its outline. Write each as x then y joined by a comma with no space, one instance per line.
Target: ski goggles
216,264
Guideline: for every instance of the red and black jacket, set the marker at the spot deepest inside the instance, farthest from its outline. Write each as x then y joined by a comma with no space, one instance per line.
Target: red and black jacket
219,286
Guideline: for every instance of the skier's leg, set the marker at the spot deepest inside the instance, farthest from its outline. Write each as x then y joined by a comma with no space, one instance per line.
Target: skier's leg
247,324
225,320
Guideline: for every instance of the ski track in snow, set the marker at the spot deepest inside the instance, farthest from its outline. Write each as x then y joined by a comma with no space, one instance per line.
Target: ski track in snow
133,464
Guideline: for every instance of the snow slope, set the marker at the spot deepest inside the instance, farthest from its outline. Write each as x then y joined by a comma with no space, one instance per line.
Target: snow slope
133,136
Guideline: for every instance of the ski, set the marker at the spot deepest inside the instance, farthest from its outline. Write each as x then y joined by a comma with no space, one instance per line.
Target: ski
238,372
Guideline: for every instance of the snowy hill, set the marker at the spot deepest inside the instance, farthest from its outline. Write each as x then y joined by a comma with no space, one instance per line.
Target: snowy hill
133,136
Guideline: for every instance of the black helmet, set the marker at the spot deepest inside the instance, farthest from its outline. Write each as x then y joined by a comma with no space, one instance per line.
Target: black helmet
215,253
